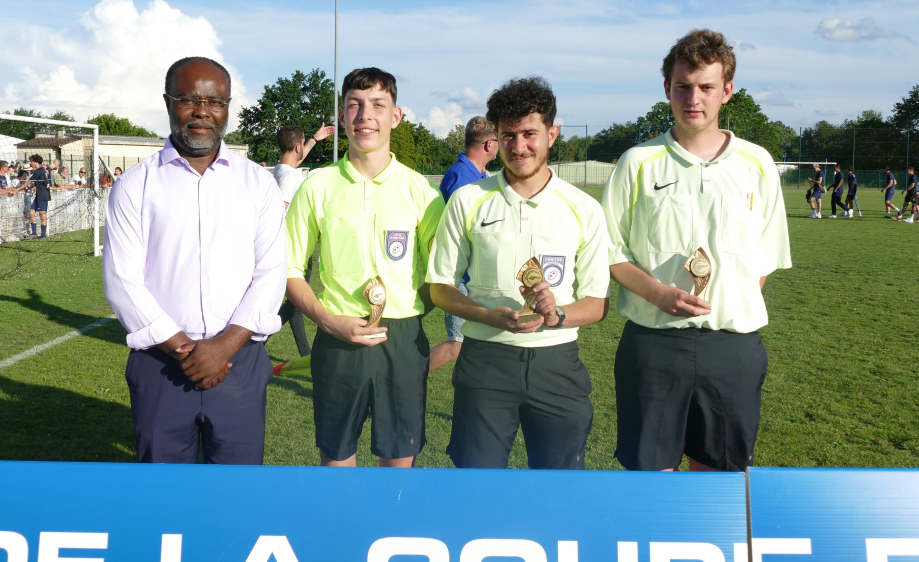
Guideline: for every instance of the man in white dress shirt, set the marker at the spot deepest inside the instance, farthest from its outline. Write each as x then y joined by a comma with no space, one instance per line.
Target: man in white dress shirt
194,267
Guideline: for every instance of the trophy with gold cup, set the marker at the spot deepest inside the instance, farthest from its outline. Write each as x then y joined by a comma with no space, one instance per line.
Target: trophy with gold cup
530,275
375,293
699,265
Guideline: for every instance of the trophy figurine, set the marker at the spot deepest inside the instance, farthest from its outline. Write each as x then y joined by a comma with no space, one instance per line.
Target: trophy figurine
699,265
375,293
530,275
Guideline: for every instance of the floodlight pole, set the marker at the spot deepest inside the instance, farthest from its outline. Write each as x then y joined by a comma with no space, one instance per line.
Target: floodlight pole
585,156
335,89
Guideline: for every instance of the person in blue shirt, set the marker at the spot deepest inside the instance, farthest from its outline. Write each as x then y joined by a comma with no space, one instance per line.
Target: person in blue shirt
836,196
911,198
815,193
850,194
480,149
890,189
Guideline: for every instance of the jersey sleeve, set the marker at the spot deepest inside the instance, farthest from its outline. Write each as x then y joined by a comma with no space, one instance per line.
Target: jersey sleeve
591,265
617,210
302,232
433,208
450,252
776,249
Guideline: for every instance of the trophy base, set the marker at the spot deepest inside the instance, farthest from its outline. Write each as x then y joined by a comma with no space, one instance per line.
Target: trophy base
375,336
524,318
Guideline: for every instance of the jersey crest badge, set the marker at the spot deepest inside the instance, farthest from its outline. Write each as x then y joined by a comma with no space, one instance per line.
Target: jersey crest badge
553,268
396,244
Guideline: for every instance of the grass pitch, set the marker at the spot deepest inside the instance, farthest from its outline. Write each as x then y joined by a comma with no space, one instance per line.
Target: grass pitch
841,391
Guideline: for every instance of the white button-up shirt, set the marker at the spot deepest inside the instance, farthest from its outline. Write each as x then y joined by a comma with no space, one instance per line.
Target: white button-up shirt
194,253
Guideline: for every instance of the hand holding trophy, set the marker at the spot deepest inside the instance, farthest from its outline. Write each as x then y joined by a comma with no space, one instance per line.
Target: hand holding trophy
375,293
530,275
699,265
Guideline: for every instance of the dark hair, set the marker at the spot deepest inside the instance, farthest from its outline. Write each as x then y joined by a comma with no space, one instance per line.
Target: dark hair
119,169
23,173
910,167
519,97
886,168
4,163
35,158
478,130
171,73
701,47
366,78
850,168
289,136
838,166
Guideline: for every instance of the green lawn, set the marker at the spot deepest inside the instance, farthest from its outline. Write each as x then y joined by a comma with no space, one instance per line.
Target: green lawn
842,387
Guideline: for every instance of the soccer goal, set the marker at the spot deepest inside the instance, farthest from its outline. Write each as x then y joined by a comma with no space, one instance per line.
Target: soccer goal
78,198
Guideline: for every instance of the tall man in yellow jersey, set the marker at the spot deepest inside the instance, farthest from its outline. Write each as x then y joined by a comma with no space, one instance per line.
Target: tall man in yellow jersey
373,217
690,367
511,374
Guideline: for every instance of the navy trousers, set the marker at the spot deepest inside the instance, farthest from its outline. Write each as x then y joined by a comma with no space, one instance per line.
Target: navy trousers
170,415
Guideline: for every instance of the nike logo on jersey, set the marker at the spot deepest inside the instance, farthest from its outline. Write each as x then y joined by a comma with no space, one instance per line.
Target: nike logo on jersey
490,223
660,187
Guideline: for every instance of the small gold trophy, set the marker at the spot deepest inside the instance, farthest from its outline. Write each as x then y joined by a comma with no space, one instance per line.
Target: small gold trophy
699,265
375,293
530,275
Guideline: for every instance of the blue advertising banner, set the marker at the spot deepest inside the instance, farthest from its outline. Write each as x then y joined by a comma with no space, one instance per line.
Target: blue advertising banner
839,515
55,512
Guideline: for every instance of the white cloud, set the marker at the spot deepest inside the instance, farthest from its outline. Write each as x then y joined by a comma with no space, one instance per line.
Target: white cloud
408,114
442,121
772,97
116,63
747,47
845,31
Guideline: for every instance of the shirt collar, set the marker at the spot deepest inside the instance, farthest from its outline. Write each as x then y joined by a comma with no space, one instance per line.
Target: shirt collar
465,160
513,198
169,153
356,176
691,158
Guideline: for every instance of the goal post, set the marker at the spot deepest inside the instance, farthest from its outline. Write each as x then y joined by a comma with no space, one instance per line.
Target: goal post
76,203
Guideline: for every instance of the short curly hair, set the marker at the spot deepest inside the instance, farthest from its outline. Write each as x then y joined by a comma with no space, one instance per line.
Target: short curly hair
520,97
698,48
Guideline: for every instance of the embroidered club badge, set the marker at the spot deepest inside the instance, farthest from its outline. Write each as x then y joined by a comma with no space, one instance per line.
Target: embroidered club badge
396,244
553,268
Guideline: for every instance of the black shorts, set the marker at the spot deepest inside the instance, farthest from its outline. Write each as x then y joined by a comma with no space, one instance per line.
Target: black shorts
693,388
388,380
499,388
851,194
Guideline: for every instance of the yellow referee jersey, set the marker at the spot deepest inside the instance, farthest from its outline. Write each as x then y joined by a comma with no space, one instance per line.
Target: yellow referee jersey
493,231
365,227
662,203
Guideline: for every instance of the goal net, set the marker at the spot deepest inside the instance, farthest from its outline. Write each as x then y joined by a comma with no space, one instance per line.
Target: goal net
78,182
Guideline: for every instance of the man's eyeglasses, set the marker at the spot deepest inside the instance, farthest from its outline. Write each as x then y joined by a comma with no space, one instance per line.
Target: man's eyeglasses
192,101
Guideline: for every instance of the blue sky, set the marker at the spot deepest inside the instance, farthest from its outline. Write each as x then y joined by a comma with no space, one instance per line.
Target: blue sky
803,61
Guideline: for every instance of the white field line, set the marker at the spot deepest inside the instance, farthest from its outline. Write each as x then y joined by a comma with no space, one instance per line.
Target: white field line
39,348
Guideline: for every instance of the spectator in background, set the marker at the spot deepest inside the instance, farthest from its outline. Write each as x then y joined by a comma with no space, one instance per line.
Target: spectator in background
481,148
850,194
55,166
107,180
294,148
263,164
815,193
80,178
4,176
61,178
22,185
117,173
890,189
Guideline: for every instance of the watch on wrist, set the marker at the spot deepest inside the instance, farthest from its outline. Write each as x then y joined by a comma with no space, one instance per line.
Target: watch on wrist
561,317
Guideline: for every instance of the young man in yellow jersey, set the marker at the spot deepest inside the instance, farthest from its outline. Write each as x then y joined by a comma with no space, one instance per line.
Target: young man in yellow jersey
512,374
697,223
373,217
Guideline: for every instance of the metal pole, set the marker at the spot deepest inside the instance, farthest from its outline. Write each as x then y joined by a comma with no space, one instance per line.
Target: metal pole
335,89
907,147
853,149
800,157
585,156
97,248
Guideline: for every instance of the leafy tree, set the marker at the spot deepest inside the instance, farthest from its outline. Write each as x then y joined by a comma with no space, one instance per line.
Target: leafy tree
402,143
456,139
304,100
745,118
111,124
27,131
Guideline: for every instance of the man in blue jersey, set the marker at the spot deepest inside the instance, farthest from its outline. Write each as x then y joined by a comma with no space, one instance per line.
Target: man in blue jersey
481,147
836,196
850,194
890,189
912,193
